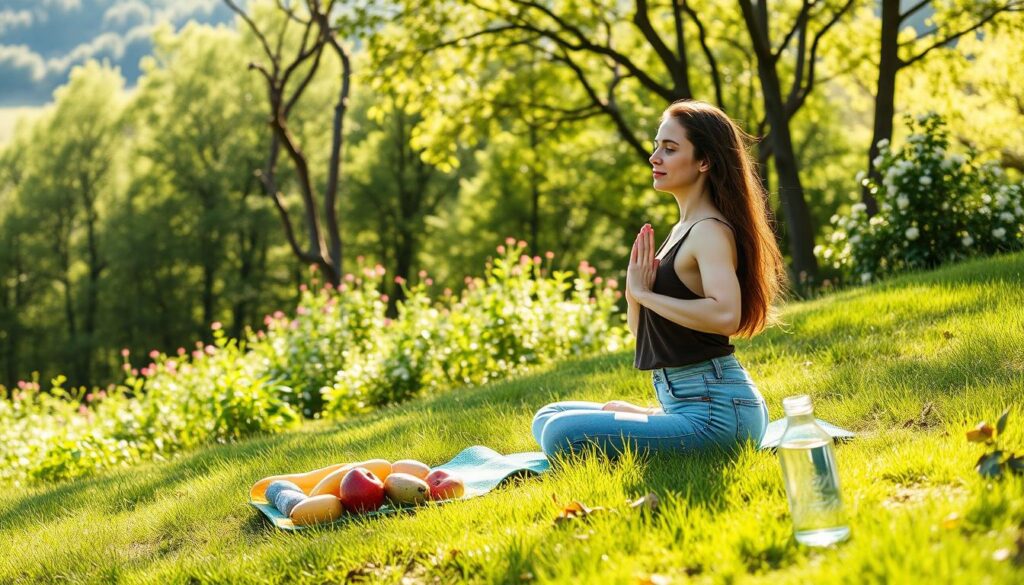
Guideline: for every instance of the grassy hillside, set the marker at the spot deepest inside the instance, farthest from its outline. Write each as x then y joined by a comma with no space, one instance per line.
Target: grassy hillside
910,364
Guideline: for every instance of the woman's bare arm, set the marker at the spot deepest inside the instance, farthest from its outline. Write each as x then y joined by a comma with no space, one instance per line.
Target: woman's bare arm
719,311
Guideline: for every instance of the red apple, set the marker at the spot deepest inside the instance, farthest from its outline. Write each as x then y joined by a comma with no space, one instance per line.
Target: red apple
444,485
361,490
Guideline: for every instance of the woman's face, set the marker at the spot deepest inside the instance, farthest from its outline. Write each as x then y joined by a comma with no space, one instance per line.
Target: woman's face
673,164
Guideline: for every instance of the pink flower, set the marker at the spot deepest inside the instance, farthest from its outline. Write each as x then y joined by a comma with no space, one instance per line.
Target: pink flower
302,311
197,354
181,351
210,350
447,292
125,352
82,410
102,393
328,286
524,259
359,259
549,254
260,334
313,268
423,273
293,325
612,283
521,243
468,280
303,287
510,240
384,298
279,314
127,367
22,384
89,397
598,280
536,260
267,320
350,277
216,325
135,372
399,280
154,354
379,270
429,281
387,322
501,249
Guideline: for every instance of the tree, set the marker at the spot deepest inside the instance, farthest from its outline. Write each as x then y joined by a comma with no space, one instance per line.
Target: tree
286,77
952,20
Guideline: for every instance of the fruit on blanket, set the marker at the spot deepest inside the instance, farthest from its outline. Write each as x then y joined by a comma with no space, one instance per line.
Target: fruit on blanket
330,484
379,467
306,481
412,467
445,485
361,490
286,500
404,488
278,486
314,509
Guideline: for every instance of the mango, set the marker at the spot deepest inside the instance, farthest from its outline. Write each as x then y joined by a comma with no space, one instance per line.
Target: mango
315,509
412,467
403,488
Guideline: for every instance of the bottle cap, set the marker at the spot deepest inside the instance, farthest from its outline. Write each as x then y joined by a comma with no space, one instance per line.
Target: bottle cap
797,405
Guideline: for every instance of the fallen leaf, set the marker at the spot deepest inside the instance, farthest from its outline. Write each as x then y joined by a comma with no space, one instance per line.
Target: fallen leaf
947,335
981,433
576,510
952,521
654,579
649,502
1001,423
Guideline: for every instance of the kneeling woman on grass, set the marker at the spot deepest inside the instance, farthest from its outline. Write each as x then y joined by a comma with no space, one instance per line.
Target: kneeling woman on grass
717,274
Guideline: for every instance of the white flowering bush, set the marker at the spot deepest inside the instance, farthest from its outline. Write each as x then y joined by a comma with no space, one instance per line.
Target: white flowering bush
934,207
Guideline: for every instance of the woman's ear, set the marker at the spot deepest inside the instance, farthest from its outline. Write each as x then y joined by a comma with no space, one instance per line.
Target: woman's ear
705,166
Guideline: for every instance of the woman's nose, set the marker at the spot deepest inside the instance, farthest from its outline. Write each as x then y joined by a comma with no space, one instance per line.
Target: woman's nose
653,158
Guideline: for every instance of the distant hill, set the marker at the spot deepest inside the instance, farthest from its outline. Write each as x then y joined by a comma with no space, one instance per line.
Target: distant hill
41,40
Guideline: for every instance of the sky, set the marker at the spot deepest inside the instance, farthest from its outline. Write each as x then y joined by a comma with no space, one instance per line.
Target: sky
41,40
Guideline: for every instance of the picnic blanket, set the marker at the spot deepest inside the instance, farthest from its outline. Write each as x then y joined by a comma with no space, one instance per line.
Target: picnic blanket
484,469
481,468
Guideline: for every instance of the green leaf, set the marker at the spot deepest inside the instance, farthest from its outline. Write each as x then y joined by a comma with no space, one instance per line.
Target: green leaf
1016,463
1001,423
989,464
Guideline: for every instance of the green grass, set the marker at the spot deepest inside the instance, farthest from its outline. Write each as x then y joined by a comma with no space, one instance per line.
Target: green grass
948,344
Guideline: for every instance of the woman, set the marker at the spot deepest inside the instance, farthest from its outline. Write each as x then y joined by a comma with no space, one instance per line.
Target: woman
717,274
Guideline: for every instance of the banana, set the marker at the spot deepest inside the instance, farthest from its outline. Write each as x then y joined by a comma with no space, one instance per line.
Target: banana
306,481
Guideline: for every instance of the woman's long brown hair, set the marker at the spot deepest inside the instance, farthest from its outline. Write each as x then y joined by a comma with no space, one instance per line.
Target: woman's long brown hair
737,192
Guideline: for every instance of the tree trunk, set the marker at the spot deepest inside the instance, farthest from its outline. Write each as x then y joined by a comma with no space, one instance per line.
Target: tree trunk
885,95
791,193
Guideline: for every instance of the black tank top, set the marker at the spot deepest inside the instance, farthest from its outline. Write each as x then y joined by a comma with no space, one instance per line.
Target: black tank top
661,343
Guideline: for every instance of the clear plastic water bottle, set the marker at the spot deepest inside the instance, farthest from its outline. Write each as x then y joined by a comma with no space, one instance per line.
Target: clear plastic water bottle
812,481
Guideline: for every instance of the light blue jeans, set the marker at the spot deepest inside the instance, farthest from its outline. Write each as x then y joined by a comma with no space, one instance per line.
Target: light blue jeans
708,404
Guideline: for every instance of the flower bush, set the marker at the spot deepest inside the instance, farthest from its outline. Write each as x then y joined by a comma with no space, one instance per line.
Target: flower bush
338,354
516,316
934,207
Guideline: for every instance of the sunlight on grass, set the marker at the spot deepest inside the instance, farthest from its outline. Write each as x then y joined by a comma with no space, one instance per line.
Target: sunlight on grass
910,364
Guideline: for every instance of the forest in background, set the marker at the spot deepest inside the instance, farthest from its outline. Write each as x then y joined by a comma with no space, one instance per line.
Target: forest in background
136,219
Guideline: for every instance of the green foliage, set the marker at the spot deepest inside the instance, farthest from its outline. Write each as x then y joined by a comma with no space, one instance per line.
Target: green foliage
996,459
339,352
518,315
934,207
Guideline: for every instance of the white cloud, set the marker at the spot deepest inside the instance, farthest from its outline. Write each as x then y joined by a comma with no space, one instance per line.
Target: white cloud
107,44
22,57
130,12
10,19
177,10
63,5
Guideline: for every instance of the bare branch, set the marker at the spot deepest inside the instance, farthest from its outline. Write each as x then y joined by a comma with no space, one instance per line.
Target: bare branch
712,63
673,65
1012,6
910,11
252,26
799,24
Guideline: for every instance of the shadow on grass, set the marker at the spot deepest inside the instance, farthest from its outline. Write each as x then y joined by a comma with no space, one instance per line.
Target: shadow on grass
126,490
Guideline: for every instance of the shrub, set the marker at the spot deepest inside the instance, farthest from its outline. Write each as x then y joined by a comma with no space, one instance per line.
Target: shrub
934,207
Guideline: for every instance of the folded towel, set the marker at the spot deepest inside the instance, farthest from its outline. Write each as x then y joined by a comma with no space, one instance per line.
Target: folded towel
773,434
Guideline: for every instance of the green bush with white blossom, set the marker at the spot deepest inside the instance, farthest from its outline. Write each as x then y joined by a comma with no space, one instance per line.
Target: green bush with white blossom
338,354
934,207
